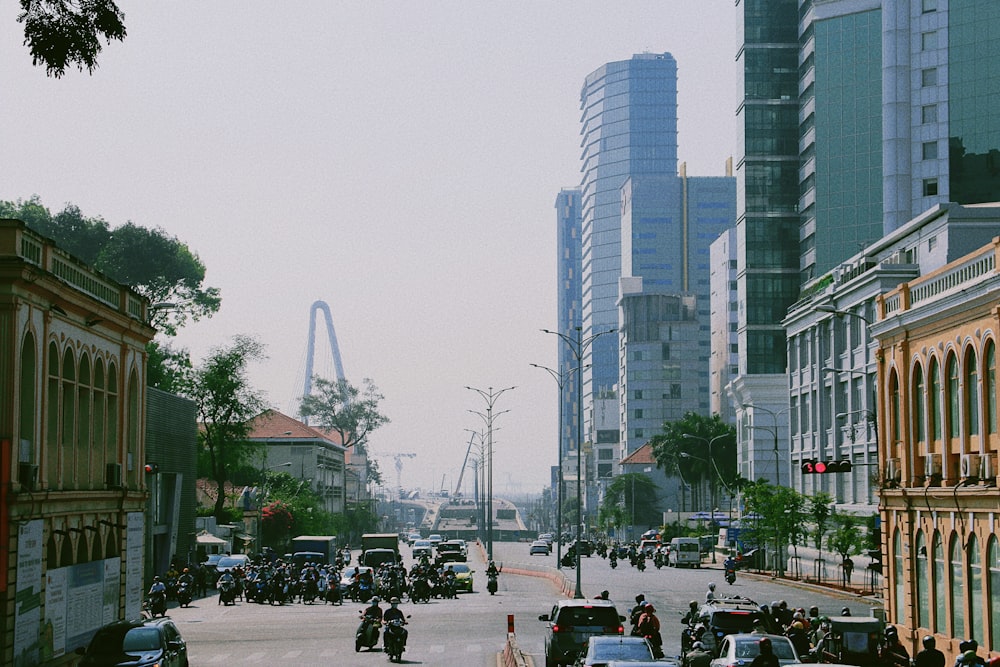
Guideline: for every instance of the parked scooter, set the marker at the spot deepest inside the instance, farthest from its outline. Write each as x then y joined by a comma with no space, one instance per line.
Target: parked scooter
367,633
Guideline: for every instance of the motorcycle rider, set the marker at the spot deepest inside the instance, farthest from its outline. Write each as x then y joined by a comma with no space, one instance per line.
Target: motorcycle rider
766,657
492,571
698,656
636,612
729,565
395,613
894,653
157,588
710,593
225,581
649,627
929,656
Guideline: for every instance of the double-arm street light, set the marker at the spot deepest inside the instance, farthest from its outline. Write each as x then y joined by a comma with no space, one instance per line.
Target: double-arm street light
773,430
577,346
718,473
490,396
560,379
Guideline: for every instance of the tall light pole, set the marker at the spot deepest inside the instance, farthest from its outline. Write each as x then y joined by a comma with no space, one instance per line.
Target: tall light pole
560,379
773,430
490,396
577,346
711,457
480,471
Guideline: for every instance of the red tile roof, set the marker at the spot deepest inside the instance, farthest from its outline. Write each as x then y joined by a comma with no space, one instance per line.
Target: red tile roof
641,456
273,424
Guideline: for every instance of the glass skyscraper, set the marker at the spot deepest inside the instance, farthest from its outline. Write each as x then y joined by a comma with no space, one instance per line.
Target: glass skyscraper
568,297
629,128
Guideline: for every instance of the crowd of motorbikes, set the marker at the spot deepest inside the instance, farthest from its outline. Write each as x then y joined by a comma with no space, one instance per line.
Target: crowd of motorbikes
637,556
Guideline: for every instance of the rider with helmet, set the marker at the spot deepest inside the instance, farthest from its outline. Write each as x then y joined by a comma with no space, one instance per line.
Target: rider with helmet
930,656
894,653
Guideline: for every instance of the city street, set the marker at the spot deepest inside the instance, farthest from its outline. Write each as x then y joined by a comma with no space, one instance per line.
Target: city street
467,631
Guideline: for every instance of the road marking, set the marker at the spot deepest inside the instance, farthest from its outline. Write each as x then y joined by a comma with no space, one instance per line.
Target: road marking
254,657
292,654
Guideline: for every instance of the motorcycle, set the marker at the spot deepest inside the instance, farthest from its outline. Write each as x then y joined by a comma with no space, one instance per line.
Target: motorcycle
158,604
333,595
491,584
568,560
730,575
613,560
367,633
640,563
394,639
658,560
421,590
310,591
227,592
184,596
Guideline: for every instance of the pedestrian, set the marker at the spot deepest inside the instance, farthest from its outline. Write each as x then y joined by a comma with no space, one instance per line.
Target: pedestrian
929,656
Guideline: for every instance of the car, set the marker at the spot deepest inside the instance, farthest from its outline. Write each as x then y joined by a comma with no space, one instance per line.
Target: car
347,578
450,551
603,649
465,546
571,623
539,547
422,548
741,649
227,563
412,537
728,616
586,547
547,537
435,539
138,642
463,576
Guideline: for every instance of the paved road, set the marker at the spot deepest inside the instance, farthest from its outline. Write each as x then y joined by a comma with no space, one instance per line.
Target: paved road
467,631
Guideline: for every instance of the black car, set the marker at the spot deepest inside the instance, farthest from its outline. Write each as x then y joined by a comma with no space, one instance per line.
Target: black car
728,616
586,548
571,624
136,643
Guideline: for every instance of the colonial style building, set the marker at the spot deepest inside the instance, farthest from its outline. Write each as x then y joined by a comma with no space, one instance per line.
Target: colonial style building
72,423
938,446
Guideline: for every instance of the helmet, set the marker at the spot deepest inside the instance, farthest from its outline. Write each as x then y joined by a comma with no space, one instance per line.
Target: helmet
186,570
649,607
698,645
846,611
693,604
798,625
375,599
394,601
891,631
814,611
929,642
639,598
711,586
798,616
764,641
969,657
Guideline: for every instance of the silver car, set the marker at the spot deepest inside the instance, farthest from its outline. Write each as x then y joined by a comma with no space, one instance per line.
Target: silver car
602,650
738,650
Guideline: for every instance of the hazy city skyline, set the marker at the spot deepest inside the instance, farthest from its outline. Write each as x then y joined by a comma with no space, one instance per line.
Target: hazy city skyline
399,162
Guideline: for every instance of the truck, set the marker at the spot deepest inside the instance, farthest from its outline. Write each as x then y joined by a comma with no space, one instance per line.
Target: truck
376,547
322,548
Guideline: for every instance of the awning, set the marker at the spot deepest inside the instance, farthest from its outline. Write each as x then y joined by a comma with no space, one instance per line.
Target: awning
206,537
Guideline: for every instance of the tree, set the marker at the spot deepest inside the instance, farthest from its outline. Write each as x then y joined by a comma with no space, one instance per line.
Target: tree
226,405
62,33
167,369
342,408
630,500
158,266
820,510
780,515
689,457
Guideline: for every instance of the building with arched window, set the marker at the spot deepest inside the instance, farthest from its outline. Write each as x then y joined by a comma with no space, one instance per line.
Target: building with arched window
937,406
72,423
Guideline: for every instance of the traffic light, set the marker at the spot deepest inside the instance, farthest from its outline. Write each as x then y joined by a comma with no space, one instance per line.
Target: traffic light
152,468
814,467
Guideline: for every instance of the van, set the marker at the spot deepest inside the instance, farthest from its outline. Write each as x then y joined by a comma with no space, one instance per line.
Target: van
684,552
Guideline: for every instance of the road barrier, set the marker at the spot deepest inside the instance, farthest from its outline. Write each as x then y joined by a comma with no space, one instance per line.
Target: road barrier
512,656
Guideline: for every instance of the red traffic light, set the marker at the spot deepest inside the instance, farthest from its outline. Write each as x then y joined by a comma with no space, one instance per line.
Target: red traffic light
151,468
820,467
814,467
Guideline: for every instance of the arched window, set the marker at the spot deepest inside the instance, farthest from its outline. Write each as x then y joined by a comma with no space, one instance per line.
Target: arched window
940,587
71,471
922,582
953,397
993,609
53,453
972,394
66,552
82,553
956,626
975,587
894,407
112,420
83,443
919,410
934,401
111,544
26,395
897,578
100,436
990,386
132,441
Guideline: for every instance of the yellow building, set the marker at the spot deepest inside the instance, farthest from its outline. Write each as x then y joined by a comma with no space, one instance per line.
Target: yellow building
72,420
937,406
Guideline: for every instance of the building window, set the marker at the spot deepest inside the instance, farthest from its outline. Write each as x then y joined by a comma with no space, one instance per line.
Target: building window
940,591
993,610
953,397
928,114
929,6
639,433
638,414
972,394
675,391
897,578
975,587
990,391
930,150
930,187
929,41
919,411
894,407
934,396
956,627
922,582
637,394
928,77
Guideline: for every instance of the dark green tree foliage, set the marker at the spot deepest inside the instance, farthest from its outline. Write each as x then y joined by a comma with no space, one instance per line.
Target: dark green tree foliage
226,405
302,503
780,516
629,499
820,511
168,369
690,458
344,409
65,33
158,266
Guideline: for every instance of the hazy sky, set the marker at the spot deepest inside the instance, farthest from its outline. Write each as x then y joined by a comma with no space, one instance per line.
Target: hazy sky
398,160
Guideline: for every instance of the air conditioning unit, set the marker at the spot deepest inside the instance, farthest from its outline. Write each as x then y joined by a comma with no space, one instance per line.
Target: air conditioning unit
988,468
113,475
893,473
932,466
970,466
27,476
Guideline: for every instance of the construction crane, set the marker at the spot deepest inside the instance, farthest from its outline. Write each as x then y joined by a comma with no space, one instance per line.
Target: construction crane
398,458
461,473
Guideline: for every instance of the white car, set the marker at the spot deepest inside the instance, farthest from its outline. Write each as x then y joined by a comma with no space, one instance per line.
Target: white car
602,650
740,650
422,548
227,563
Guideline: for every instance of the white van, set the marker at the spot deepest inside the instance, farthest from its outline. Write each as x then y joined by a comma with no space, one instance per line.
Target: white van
684,552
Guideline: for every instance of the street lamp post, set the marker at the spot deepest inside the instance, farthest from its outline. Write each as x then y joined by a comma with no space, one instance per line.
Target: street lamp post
560,379
490,397
718,473
773,430
577,346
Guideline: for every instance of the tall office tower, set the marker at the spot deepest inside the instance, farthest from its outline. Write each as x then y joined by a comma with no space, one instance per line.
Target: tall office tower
629,128
723,304
568,316
668,224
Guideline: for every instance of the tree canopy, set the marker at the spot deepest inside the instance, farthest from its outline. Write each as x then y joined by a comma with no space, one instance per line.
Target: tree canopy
629,500
699,449
158,266
344,409
66,33
226,405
